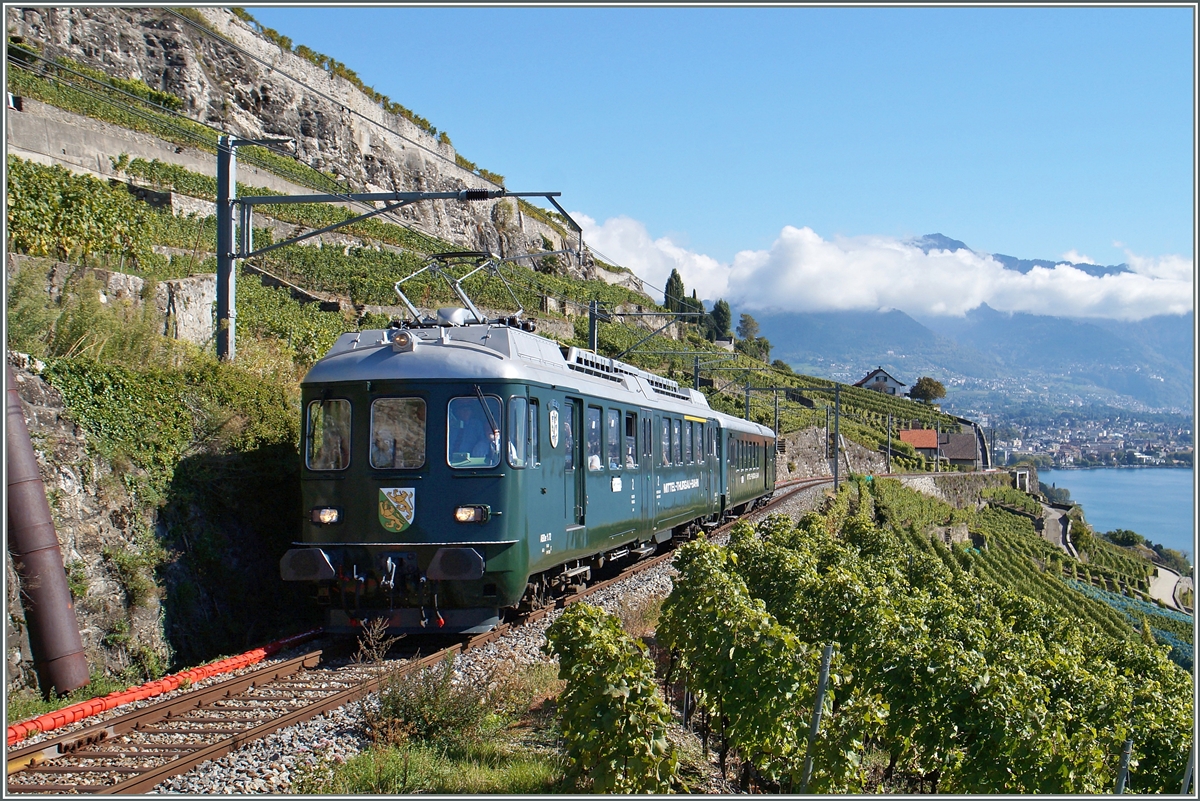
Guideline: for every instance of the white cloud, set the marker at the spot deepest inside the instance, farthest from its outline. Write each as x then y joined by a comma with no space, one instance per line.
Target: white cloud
804,272
1075,257
1175,268
627,242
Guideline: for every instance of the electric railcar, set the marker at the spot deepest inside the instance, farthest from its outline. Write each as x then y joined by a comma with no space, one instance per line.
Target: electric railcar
457,469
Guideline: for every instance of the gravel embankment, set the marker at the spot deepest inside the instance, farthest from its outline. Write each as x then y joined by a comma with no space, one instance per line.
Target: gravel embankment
269,765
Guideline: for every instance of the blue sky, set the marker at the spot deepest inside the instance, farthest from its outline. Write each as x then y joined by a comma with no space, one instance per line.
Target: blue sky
710,139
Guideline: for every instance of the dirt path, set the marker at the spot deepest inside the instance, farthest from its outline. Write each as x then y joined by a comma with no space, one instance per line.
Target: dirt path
1162,585
1054,530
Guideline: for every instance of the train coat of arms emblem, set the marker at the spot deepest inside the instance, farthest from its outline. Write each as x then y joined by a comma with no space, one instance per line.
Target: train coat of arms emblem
397,508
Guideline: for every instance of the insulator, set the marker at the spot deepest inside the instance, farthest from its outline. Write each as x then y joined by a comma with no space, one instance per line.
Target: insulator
474,194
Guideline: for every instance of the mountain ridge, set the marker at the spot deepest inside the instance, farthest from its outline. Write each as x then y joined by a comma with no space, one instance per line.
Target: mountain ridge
1146,363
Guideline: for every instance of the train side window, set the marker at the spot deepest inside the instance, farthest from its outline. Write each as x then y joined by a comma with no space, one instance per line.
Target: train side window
612,439
666,441
518,431
568,425
535,444
648,439
470,439
676,443
687,441
592,432
631,452
701,440
327,443
397,433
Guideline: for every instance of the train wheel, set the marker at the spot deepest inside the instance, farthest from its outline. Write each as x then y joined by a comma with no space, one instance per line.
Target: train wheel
536,596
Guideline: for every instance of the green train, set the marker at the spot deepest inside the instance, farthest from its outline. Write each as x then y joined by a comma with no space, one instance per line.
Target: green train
454,470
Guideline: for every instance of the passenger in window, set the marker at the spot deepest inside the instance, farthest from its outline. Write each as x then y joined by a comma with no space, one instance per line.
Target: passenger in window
593,440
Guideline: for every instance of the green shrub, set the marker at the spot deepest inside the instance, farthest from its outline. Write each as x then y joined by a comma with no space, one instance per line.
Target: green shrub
427,705
614,722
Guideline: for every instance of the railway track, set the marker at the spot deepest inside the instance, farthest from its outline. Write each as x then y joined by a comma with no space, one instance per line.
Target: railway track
134,752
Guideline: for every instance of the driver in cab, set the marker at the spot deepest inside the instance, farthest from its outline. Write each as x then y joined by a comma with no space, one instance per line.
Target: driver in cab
471,437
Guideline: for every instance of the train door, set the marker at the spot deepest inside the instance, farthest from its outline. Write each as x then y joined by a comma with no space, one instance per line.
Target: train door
710,465
646,448
531,463
661,456
573,494
719,468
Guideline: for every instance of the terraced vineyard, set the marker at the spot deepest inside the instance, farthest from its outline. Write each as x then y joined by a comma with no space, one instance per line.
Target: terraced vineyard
964,668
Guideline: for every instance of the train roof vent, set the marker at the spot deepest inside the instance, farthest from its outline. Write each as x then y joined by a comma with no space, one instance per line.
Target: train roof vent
584,361
663,386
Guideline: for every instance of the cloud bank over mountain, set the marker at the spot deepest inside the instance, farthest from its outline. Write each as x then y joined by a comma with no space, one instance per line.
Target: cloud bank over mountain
803,272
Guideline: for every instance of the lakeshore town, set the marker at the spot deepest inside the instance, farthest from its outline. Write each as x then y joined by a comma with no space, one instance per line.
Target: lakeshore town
1070,442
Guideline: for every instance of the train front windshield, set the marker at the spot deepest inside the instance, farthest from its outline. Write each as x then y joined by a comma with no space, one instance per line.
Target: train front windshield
473,433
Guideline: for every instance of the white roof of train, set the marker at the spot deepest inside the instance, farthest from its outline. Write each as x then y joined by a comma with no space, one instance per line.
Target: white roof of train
493,351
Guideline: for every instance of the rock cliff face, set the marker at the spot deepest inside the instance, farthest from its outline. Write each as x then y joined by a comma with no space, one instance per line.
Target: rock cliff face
97,525
233,79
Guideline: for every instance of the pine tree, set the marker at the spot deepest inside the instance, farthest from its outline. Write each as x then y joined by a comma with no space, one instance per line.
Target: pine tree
722,317
674,293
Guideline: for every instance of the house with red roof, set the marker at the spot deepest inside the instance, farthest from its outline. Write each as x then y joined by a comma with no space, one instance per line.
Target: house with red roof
923,440
960,450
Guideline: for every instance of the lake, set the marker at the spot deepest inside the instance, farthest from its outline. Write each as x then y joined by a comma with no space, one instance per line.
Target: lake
1154,502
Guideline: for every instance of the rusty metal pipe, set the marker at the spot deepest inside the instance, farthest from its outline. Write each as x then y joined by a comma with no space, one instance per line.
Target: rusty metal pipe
50,618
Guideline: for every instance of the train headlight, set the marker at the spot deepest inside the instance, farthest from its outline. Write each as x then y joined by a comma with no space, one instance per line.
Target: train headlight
325,515
472,514
403,341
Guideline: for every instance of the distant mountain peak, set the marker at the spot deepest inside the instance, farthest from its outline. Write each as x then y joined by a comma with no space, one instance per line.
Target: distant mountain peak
931,242
937,242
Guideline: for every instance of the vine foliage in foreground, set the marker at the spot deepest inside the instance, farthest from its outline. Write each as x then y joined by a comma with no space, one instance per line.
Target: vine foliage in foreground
964,683
613,720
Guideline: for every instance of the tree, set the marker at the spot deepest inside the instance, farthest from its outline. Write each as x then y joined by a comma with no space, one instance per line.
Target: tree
756,348
780,364
673,294
1123,536
747,327
722,317
927,389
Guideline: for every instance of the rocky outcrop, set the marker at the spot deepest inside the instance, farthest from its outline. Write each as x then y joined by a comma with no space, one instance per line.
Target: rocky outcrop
98,526
184,305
